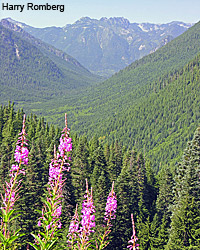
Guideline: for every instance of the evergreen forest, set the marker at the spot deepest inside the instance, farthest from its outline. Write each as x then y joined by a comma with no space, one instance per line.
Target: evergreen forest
165,206
137,133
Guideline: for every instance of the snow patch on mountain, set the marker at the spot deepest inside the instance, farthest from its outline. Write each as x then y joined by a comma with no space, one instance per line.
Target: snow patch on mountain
142,28
141,47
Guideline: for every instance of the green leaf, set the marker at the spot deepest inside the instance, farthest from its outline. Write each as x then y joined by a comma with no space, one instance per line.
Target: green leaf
39,211
11,212
41,243
2,237
43,235
36,247
13,238
51,245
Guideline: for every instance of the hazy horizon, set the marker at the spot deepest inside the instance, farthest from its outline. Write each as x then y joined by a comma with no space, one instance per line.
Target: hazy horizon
143,11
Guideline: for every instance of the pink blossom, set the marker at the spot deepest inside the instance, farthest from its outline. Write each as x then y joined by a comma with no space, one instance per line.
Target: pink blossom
57,212
51,213
73,228
12,187
111,206
21,152
65,145
88,218
133,240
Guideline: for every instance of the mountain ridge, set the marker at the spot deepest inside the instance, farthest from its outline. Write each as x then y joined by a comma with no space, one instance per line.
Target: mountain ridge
113,109
31,72
107,45
12,26
117,108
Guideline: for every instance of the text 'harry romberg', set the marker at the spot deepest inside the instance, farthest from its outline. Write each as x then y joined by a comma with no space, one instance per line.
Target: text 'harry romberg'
32,6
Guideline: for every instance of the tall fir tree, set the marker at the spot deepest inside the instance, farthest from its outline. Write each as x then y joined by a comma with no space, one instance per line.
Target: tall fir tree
185,225
80,168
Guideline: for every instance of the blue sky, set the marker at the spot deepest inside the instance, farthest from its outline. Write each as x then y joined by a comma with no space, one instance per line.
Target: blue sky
152,11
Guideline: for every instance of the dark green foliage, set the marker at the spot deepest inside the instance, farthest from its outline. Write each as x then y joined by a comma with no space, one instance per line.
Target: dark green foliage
165,208
153,103
185,225
133,196
99,165
165,195
115,160
100,197
80,169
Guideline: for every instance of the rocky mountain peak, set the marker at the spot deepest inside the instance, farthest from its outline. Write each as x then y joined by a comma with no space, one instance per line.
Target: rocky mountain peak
107,45
119,21
84,20
8,23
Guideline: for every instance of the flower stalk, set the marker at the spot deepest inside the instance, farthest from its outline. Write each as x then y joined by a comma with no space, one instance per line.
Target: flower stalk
7,237
110,214
50,221
73,230
133,240
88,219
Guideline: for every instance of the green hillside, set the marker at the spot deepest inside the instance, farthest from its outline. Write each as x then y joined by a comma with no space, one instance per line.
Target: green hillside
31,73
162,123
126,88
149,104
166,120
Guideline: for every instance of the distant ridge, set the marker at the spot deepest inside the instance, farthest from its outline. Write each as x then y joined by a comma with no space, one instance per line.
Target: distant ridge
32,71
153,104
107,45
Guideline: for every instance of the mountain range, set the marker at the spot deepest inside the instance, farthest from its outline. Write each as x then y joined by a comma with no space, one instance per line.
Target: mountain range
128,131
152,104
107,45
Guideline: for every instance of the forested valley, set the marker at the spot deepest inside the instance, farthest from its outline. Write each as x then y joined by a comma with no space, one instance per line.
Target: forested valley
136,134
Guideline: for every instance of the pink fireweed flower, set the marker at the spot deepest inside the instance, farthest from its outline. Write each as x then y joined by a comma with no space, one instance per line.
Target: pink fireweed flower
21,155
110,210
16,169
60,162
88,218
65,145
12,187
57,212
111,206
21,152
51,213
73,229
133,240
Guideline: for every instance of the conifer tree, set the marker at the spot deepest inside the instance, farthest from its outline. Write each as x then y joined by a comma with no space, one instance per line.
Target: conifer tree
185,225
165,194
163,214
99,164
127,193
80,168
100,196
115,161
